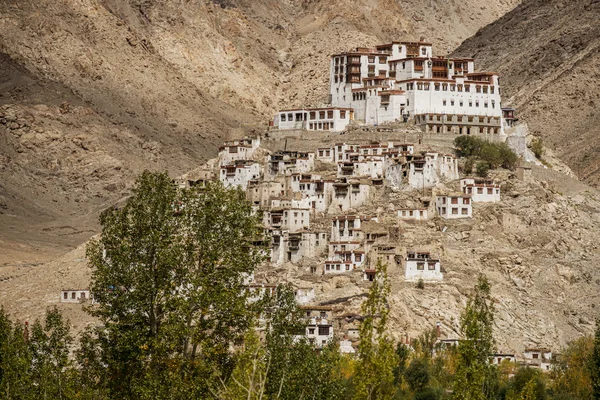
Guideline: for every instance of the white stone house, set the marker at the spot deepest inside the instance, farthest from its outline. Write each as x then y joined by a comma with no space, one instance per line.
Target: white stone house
319,327
481,190
296,219
498,358
325,154
259,192
430,168
240,174
75,295
237,150
413,214
348,194
368,166
348,227
290,162
453,206
332,119
345,151
538,358
422,265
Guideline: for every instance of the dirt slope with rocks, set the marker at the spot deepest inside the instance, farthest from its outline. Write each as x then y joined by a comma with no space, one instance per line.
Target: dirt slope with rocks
548,54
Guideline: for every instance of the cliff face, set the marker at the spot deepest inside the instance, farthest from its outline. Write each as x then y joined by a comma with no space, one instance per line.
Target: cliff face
548,53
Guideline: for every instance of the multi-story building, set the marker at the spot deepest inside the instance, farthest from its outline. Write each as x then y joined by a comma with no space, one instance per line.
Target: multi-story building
481,190
452,206
423,265
402,80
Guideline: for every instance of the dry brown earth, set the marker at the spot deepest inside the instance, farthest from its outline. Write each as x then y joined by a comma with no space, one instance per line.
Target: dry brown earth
548,54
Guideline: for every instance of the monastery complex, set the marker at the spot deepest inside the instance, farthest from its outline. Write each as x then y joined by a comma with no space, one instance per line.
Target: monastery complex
404,81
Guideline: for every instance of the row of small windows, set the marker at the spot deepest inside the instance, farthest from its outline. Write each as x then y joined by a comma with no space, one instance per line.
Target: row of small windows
311,115
485,89
461,104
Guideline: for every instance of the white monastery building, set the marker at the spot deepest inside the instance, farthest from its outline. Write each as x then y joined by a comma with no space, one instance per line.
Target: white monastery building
74,295
333,119
422,265
401,80
452,206
481,190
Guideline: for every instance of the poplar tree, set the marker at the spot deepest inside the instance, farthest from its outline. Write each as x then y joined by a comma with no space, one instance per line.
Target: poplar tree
594,365
168,274
474,373
374,378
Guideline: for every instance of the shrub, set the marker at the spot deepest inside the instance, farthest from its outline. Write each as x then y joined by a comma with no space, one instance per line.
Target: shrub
420,284
537,146
482,168
495,154
469,164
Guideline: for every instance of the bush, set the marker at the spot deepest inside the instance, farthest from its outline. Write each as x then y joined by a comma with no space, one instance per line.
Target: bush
428,394
537,146
420,284
469,164
417,374
495,154
482,168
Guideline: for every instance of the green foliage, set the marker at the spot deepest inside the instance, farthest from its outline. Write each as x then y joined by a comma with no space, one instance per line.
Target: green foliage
168,274
35,364
482,169
475,376
428,393
594,363
417,374
402,354
537,146
571,373
420,284
527,384
377,358
425,343
469,164
494,154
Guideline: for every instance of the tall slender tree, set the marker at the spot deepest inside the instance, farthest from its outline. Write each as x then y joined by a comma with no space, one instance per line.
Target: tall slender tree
474,375
377,358
594,364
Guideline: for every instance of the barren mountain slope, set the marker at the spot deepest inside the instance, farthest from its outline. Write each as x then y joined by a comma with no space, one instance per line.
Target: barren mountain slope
548,53
159,84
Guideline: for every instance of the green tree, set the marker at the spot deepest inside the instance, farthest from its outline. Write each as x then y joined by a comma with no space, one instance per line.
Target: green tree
417,374
537,146
483,168
594,363
168,274
49,347
570,373
402,354
377,359
474,375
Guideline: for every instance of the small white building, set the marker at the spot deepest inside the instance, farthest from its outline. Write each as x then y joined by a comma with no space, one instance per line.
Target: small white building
348,227
290,162
453,206
75,295
481,190
240,173
538,358
332,119
237,150
422,265
413,214
319,328
325,154
349,194
429,168
498,358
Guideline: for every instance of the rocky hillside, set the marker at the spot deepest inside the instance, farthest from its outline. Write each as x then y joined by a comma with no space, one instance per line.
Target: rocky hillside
537,246
548,53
